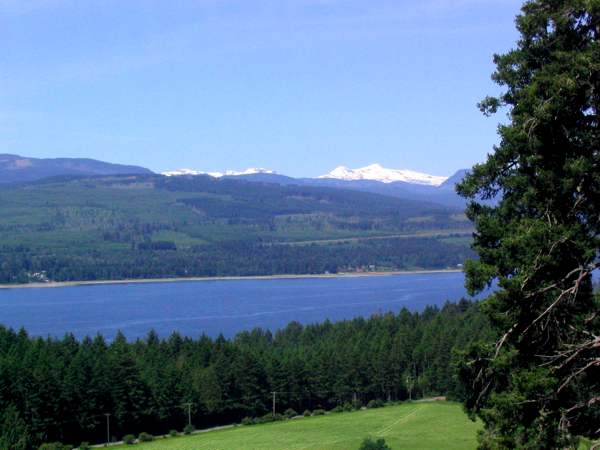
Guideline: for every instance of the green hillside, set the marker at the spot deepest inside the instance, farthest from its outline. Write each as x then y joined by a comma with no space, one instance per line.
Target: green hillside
147,226
418,425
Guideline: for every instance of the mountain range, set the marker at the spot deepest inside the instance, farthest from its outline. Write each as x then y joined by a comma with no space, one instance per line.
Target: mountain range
400,183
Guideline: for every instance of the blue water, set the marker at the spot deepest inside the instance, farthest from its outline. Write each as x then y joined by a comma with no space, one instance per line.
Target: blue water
214,307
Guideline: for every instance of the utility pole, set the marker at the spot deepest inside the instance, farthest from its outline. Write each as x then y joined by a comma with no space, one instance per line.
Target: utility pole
107,428
189,407
274,399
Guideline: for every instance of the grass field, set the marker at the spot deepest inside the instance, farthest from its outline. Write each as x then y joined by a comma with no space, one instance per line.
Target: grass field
419,425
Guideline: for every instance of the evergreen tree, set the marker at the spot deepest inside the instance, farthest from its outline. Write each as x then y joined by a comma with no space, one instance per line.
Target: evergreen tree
535,203
129,394
14,434
206,381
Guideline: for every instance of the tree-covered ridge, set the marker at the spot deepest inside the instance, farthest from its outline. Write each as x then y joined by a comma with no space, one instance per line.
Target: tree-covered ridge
148,226
59,390
19,169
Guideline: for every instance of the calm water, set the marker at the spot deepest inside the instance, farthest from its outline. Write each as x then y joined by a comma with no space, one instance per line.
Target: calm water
214,307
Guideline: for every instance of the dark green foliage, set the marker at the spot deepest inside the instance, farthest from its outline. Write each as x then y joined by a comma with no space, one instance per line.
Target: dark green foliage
267,418
247,421
289,413
173,433
540,384
145,437
85,446
347,407
60,389
189,429
55,446
14,434
270,417
152,226
370,444
129,439
307,413
318,412
375,403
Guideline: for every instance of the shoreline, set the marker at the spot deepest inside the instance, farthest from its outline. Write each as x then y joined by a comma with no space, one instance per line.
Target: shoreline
60,284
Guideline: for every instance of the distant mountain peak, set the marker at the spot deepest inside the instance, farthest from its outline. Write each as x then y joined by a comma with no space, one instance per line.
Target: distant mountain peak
377,172
227,173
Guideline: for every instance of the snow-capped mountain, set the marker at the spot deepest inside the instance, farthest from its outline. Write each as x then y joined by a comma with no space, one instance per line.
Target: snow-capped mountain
376,172
406,184
178,172
227,173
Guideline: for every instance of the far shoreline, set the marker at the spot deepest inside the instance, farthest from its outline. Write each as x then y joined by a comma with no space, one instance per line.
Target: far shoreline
61,284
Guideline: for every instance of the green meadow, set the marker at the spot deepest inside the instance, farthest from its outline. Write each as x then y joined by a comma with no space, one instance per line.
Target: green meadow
411,425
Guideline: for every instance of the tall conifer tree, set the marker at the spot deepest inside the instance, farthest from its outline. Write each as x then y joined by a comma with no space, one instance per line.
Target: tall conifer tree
538,235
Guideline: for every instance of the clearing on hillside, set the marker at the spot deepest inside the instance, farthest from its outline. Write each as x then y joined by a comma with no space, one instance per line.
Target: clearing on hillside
416,425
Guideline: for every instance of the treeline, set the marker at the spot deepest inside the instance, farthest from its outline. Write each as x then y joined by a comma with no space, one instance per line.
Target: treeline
60,390
239,258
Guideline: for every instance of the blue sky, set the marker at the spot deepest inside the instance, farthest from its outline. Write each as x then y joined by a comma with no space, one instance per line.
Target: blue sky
299,86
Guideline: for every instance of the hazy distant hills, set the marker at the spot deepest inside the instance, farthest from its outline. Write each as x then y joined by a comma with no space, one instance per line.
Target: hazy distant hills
15,168
444,194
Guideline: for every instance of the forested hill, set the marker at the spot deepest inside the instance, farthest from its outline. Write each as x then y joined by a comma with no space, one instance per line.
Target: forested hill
18,169
145,226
